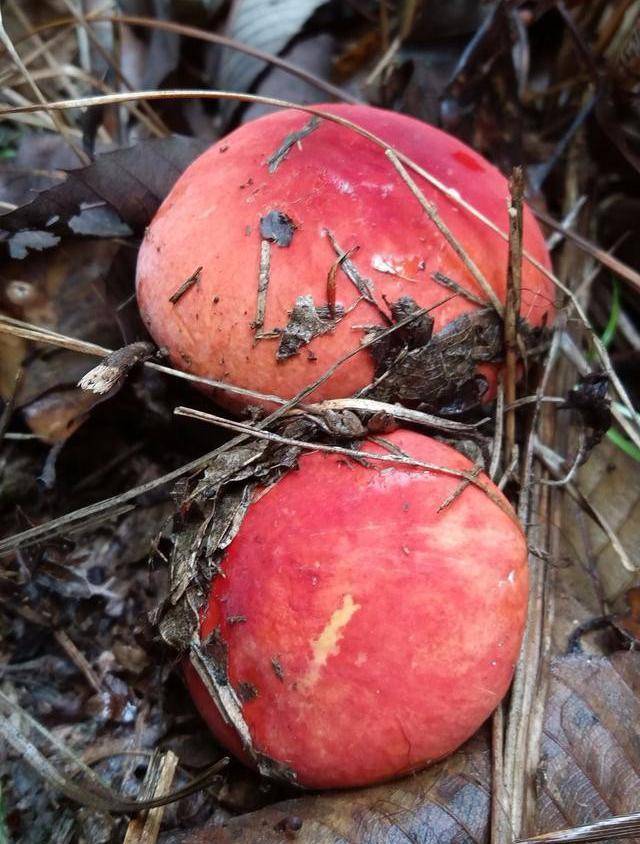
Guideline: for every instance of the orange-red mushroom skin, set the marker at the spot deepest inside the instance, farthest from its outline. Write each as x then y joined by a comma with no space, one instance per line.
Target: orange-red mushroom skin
336,181
375,632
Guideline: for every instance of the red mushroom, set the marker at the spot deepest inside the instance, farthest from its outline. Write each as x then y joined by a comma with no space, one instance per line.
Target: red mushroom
363,631
274,205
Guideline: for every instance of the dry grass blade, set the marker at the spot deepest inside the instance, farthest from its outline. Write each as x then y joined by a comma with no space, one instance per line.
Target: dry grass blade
8,44
213,38
416,417
601,255
102,509
624,826
27,331
432,212
95,794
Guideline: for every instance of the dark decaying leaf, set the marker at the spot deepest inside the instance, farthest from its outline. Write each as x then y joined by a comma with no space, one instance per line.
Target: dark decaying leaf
629,623
313,54
116,195
449,802
306,322
438,373
267,24
424,371
277,227
207,519
589,766
589,398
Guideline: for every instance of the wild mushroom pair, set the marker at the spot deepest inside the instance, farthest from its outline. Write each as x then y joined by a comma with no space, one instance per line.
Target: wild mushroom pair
378,629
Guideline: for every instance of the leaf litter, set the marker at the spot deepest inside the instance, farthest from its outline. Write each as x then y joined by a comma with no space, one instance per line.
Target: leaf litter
96,582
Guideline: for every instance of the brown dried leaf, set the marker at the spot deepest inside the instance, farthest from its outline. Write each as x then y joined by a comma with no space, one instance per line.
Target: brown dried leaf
64,291
611,482
55,416
278,23
448,802
629,623
590,755
115,196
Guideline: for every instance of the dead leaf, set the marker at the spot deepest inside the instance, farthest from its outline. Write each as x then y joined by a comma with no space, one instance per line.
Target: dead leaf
629,623
115,196
312,54
447,802
589,767
267,24
56,415
64,291
611,482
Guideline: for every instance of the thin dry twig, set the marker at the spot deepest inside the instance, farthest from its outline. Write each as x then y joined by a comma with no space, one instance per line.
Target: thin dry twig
78,658
397,411
432,212
264,270
187,284
362,284
449,283
523,689
457,492
498,431
499,808
512,306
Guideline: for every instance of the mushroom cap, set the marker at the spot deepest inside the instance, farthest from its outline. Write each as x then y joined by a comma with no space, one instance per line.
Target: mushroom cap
332,181
367,631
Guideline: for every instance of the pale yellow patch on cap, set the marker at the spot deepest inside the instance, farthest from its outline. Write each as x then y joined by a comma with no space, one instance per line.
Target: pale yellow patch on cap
328,642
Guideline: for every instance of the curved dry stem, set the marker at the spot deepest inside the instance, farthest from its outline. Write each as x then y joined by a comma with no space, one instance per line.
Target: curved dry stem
212,38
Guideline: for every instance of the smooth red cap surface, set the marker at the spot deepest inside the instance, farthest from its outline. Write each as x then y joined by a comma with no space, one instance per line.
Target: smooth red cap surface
375,632
334,180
